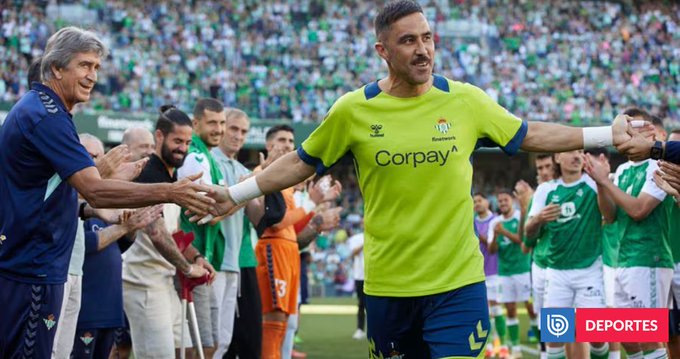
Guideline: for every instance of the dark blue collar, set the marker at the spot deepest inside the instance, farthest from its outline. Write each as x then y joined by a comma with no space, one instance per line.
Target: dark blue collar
372,90
37,86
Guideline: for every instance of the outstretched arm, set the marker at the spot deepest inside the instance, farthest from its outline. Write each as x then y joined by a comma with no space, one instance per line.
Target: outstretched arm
552,137
120,194
285,172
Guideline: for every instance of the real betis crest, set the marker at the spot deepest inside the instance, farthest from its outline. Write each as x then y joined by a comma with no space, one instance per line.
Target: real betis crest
87,338
442,126
49,321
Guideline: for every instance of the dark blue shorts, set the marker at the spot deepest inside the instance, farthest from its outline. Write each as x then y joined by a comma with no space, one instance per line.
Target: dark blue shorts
453,324
93,343
30,313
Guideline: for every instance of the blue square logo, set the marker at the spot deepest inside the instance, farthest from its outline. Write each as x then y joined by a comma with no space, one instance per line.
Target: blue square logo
558,325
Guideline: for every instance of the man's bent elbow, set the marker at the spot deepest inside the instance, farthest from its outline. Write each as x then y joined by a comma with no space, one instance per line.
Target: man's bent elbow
639,214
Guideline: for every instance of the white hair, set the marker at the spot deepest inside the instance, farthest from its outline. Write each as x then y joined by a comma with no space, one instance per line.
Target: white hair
63,45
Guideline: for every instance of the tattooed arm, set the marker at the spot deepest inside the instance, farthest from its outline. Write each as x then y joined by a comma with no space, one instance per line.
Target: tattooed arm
306,236
166,246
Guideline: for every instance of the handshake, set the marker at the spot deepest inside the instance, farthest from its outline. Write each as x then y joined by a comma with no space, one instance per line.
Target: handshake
639,140
633,138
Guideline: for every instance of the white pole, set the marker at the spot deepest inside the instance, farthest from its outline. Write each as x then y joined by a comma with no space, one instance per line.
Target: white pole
182,350
194,327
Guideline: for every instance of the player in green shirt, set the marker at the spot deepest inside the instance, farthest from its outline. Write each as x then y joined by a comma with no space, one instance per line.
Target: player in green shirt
673,207
412,134
645,262
610,254
567,211
544,173
514,267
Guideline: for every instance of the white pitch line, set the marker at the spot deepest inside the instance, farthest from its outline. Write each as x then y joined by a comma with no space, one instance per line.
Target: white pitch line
329,309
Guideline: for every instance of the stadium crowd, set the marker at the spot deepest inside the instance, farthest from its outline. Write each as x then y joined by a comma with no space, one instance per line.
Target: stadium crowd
574,62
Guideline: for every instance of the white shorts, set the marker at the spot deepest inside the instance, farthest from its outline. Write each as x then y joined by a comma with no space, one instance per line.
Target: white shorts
675,285
66,327
492,287
515,288
538,278
575,288
609,276
642,287
225,290
155,320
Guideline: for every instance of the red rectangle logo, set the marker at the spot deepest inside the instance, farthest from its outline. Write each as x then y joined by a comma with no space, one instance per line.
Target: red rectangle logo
621,325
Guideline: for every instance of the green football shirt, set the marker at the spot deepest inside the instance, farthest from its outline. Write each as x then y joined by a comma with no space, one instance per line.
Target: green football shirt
610,244
511,259
540,245
674,228
412,158
644,243
576,235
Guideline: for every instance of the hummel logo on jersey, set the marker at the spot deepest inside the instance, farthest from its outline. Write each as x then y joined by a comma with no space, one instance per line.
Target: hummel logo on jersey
579,192
555,199
376,131
385,158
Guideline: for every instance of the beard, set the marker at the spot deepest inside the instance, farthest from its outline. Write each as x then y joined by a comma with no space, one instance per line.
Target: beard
170,159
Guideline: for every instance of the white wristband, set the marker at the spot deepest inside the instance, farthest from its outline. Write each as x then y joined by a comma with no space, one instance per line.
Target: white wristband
245,191
594,137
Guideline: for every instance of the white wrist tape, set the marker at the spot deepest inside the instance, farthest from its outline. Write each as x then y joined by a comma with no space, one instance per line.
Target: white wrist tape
206,219
594,137
637,123
245,191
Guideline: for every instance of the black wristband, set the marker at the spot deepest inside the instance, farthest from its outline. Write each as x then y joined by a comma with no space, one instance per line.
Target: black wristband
657,151
81,210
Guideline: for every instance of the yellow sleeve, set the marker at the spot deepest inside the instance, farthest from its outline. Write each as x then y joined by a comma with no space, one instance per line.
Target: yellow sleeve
496,126
331,140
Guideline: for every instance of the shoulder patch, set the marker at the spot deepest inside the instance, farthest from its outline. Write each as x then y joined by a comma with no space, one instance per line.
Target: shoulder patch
372,90
49,103
441,83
